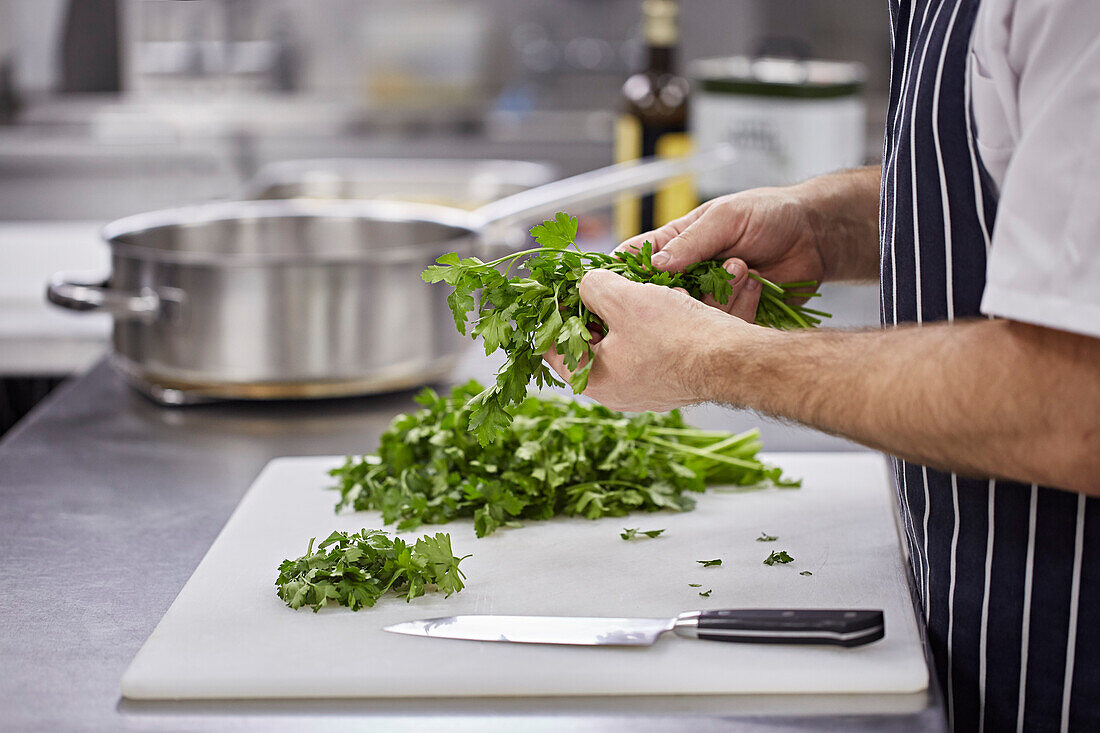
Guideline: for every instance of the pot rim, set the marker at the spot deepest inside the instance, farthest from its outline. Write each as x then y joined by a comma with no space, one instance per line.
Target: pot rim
520,173
467,223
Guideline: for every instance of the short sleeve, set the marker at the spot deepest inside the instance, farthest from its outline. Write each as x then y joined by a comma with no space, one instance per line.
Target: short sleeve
1044,261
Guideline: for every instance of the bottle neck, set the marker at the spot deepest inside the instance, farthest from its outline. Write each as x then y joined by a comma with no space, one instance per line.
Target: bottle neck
662,59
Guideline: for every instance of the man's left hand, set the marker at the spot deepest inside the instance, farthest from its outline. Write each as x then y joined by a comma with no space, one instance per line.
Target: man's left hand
653,353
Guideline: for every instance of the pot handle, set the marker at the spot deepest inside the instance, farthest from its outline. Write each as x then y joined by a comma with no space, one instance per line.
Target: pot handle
67,290
594,188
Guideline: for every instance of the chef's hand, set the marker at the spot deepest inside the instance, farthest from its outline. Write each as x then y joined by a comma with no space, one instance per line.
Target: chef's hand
653,354
768,229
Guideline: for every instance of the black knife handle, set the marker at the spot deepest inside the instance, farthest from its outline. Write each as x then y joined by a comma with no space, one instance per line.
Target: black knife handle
840,627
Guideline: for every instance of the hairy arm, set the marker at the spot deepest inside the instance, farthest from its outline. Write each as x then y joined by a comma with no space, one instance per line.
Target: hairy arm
842,209
989,398
985,398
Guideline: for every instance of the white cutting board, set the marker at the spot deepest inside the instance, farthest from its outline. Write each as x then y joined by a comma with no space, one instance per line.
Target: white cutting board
227,635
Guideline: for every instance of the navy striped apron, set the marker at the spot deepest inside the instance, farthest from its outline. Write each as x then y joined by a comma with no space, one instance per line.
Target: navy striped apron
1008,575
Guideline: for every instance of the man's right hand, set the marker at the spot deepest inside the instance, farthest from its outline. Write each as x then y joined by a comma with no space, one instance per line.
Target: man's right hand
767,229
823,229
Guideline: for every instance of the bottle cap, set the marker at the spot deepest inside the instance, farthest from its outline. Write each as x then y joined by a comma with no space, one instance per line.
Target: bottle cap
660,22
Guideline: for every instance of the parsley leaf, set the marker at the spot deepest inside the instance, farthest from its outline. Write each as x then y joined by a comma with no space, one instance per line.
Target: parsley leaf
780,558
355,570
709,563
487,413
629,534
765,537
706,594
695,585
557,233
805,572
555,457
527,316
715,281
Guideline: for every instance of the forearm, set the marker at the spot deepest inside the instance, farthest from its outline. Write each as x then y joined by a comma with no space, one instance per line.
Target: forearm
988,398
842,209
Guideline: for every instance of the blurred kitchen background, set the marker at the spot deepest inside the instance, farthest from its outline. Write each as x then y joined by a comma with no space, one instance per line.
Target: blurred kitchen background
115,107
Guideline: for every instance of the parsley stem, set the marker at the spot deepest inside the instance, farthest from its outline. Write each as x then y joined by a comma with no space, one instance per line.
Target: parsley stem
726,443
542,251
686,431
605,482
768,284
730,442
790,311
701,453
512,256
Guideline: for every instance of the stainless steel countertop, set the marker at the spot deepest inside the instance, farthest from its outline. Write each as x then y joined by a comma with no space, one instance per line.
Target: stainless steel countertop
108,502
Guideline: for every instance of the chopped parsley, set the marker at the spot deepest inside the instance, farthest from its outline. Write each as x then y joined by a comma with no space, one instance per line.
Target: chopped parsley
629,534
355,570
778,558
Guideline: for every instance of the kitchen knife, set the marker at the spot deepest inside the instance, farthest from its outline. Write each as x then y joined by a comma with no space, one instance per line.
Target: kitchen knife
756,625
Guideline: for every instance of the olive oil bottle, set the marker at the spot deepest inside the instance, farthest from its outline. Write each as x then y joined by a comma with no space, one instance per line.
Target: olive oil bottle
654,122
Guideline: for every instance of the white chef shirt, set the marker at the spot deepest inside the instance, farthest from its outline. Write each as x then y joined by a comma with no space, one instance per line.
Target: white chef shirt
1034,75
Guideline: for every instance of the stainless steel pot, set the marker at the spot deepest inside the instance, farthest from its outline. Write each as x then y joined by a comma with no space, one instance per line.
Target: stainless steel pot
298,298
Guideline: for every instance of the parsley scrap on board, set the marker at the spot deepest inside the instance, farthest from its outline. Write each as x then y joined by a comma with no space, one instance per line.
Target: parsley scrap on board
629,534
805,572
355,570
765,537
695,585
778,558
528,316
709,563
557,457
707,593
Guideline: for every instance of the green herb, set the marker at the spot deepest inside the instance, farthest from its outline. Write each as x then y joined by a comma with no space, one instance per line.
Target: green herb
709,563
629,534
765,537
805,572
707,593
781,558
695,585
355,570
558,457
528,316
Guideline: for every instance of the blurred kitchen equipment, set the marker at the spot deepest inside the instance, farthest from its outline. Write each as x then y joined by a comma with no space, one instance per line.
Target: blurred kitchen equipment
210,48
90,47
290,299
408,59
788,119
465,184
7,66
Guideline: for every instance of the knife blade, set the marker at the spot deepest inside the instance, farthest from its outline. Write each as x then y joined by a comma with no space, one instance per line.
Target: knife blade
839,627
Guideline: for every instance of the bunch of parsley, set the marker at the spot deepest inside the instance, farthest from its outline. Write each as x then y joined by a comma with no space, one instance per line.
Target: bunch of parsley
557,457
355,570
527,316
